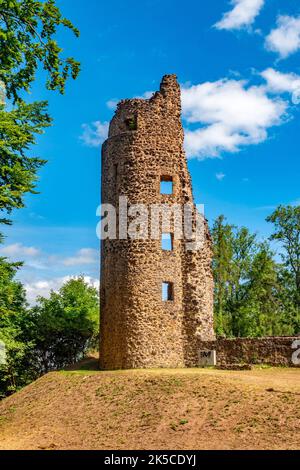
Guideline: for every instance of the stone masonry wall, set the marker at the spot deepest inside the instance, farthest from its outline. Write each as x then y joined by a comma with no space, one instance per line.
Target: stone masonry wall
273,351
138,328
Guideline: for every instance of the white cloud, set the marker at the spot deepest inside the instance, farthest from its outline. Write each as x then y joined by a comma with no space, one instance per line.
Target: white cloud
94,134
230,114
35,258
112,104
285,38
19,250
82,257
220,176
226,115
44,287
243,14
278,82
145,96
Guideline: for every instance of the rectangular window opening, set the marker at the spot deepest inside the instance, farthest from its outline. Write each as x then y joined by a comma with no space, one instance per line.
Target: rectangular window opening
167,292
167,242
166,185
131,123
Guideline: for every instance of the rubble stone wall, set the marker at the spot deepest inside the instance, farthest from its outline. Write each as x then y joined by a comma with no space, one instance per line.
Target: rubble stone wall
273,351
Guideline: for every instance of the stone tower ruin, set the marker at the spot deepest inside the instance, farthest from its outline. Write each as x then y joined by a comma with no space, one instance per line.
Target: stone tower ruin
139,327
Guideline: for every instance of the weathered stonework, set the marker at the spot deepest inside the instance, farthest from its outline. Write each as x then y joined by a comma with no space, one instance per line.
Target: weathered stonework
272,351
138,328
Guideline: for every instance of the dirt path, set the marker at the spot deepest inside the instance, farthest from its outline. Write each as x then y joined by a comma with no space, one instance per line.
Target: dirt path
178,409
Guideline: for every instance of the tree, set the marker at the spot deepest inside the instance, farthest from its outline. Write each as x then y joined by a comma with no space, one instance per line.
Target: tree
244,248
261,313
286,220
222,236
16,371
66,325
234,249
12,294
18,129
27,41
253,293
290,309
55,333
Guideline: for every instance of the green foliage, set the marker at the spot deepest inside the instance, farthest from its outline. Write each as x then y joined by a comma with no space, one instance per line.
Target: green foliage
27,39
132,123
66,325
222,235
12,294
55,333
16,371
18,131
28,31
233,251
286,220
254,295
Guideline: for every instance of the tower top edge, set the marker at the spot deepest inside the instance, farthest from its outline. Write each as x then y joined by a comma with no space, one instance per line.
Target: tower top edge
168,82
156,107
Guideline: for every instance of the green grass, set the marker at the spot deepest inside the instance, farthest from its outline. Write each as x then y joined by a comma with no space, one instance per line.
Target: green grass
79,372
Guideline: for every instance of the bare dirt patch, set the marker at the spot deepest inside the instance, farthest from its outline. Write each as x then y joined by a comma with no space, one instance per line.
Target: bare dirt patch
156,409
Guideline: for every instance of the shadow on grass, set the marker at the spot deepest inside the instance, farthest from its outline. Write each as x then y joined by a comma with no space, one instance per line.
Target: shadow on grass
89,364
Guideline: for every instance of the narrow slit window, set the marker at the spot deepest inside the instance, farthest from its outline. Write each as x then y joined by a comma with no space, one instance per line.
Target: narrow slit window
167,242
167,291
166,185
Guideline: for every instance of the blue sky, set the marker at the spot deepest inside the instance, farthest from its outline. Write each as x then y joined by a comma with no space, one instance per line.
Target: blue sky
240,77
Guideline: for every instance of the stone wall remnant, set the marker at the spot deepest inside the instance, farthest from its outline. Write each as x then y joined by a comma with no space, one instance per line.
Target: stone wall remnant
276,351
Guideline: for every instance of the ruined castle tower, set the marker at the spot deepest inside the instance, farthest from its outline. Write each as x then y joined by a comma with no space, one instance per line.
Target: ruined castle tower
156,303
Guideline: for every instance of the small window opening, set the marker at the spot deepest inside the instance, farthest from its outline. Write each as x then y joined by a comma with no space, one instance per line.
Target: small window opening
166,185
131,123
167,242
167,291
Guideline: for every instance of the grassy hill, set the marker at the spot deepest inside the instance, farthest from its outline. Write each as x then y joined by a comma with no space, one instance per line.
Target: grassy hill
156,409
